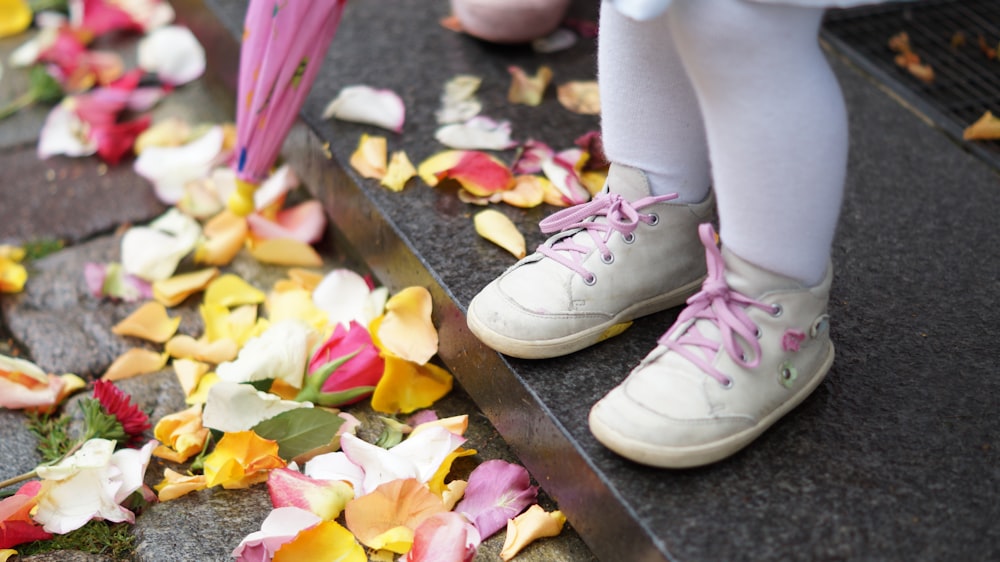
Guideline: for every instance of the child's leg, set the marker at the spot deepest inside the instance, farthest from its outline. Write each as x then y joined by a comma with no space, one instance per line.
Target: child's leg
754,342
634,249
777,128
649,113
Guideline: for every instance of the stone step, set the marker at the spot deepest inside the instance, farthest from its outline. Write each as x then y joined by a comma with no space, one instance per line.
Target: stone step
894,457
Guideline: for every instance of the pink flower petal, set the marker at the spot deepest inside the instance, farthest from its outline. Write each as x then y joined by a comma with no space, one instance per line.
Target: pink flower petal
305,222
497,491
291,488
444,537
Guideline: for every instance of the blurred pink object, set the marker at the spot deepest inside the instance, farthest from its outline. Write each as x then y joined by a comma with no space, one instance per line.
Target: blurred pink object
509,21
284,44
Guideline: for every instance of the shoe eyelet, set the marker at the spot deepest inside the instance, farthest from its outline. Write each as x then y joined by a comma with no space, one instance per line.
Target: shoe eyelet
728,384
758,334
590,280
608,259
787,374
628,238
654,219
776,310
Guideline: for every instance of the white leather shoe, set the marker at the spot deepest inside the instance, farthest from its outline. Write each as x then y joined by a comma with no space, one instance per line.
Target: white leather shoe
623,255
748,348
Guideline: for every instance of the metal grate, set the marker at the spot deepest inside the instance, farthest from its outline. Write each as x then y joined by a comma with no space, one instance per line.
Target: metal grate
966,82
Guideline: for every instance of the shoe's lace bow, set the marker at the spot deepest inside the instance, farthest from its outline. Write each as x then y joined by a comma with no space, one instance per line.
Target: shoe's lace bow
725,309
620,216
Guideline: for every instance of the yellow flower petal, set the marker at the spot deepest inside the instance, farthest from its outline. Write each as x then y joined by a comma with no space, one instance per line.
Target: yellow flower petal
13,276
369,159
200,395
477,172
175,485
241,459
15,17
453,493
406,387
528,90
135,362
580,97
327,541
533,524
594,180
399,172
173,291
189,372
231,290
298,304
6,554
454,424
497,228
149,322
225,235
406,329
172,131
387,517
986,127
436,483
305,278
186,347
437,164
285,251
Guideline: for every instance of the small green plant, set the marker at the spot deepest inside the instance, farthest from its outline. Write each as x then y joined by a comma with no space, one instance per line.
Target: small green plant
52,431
114,540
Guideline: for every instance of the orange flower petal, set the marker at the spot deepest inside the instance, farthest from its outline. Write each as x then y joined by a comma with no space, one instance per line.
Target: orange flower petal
454,424
181,435
175,485
225,234
186,347
369,159
149,322
173,291
376,518
285,251
241,459
452,493
986,128
135,362
580,97
528,191
406,330
497,228
533,524
305,278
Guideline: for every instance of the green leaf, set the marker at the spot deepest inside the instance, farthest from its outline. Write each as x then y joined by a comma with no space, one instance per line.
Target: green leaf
299,431
262,385
44,87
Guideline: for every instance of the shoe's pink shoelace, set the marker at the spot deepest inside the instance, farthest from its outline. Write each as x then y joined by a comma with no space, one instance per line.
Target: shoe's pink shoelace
622,217
726,309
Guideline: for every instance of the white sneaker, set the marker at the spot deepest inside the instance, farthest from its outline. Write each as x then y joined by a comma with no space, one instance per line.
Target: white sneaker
748,348
623,255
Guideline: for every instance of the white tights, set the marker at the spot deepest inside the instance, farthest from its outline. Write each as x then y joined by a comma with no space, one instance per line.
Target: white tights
771,121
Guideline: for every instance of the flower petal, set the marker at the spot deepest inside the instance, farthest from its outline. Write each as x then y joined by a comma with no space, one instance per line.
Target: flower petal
497,491
291,488
305,222
528,90
534,524
175,485
345,296
336,466
458,102
497,228
231,290
444,537
135,362
369,159
281,352
186,347
407,330
233,407
181,435
64,133
15,17
285,251
225,235
478,133
153,252
399,172
279,527
364,104
326,541
533,154
169,168
175,290
477,172
149,322
241,459
528,191
406,386
173,54
580,97
399,503
189,372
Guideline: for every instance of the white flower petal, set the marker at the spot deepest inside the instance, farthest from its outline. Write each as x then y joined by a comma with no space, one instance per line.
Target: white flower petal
283,180
233,407
153,252
335,466
64,133
478,133
344,296
281,352
169,168
27,54
173,54
364,104
427,450
379,464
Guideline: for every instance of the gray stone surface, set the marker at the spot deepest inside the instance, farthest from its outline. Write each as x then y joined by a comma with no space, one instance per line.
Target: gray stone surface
17,445
894,457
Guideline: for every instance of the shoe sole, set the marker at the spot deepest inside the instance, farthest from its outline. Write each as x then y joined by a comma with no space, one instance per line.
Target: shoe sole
690,457
545,349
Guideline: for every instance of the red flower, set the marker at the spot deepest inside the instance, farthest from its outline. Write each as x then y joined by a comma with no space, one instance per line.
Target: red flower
116,403
357,376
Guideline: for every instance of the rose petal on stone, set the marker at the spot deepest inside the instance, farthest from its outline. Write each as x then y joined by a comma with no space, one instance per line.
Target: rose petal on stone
169,168
528,90
533,524
497,228
285,251
407,330
175,290
399,172
173,54
186,347
528,191
135,362
149,322
478,133
369,159
364,104
580,97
